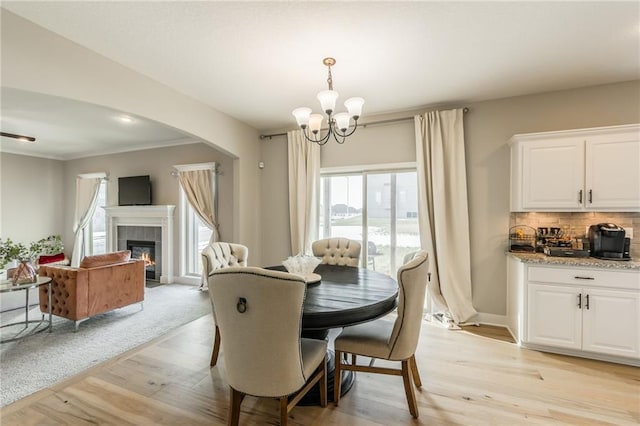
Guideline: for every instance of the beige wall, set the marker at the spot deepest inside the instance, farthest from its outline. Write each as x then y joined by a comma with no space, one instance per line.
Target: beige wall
49,185
157,163
31,197
38,60
488,127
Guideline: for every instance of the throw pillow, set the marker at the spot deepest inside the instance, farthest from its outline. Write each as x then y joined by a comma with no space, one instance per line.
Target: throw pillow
106,259
43,260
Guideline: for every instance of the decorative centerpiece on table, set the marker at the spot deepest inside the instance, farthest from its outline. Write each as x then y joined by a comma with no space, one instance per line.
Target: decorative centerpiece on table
303,265
25,271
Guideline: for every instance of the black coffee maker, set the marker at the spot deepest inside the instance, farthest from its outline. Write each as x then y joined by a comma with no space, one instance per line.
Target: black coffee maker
607,241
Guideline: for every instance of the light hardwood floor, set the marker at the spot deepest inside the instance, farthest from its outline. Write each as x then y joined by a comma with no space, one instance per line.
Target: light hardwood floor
468,379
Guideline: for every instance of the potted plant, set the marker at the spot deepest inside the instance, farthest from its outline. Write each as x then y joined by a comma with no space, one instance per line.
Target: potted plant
12,251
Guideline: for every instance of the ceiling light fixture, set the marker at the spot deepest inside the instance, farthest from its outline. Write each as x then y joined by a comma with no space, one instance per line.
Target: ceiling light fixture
338,123
21,138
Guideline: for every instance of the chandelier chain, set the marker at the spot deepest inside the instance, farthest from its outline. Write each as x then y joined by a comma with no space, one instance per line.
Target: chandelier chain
329,78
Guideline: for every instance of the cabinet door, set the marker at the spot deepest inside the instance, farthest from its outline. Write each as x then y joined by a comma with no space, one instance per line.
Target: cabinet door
613,173
611,322
553,315
553,175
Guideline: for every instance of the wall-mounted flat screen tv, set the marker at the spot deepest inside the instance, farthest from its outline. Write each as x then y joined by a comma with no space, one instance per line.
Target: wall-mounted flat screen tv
134,191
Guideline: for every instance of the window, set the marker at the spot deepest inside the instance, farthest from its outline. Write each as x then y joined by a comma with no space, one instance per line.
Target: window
197,238
194,233
377,208
97,234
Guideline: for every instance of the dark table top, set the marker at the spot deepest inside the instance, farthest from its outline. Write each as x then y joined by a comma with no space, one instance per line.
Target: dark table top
346,296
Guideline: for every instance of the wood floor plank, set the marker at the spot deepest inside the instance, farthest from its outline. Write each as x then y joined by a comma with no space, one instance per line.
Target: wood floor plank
469,378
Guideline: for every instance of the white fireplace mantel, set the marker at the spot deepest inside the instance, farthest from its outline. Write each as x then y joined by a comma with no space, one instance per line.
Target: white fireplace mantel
160,216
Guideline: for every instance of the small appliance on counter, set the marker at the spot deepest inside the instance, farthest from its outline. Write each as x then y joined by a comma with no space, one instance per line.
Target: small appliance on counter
565,252
550,237
522,238
607,241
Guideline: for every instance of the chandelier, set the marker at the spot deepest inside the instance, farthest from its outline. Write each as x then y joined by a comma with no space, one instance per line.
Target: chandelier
338,123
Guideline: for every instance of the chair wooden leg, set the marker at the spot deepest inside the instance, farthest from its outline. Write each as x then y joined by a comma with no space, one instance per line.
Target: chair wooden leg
414,371
216,348
284,412
337,378
408,388
234,407
323,383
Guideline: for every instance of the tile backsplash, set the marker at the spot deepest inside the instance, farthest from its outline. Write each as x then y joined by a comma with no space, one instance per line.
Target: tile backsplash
578,222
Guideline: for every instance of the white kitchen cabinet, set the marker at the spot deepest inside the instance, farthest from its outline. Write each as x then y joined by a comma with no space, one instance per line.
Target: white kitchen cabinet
613,177
553,316
576,170
611,320
588,312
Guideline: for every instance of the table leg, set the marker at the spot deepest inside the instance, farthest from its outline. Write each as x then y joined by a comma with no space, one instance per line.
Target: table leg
26,309
50,307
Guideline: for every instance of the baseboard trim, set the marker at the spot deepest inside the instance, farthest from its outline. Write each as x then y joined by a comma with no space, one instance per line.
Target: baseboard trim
492,319
187,280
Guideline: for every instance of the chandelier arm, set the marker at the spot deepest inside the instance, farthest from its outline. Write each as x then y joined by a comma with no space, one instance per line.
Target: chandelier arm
320,141
346,135
335,137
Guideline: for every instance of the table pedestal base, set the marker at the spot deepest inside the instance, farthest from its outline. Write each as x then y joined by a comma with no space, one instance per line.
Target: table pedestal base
313,396
348,377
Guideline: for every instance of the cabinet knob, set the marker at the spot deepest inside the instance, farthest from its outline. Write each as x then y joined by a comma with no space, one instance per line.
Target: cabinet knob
590,196
580,196
577,277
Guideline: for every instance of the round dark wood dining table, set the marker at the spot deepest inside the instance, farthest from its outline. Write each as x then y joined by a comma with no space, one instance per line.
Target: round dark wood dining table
344,296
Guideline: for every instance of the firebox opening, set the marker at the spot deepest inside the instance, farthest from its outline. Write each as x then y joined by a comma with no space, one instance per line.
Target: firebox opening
145,250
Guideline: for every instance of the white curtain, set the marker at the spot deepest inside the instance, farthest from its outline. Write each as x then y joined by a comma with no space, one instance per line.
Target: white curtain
200,190
304,181
87,189
443,207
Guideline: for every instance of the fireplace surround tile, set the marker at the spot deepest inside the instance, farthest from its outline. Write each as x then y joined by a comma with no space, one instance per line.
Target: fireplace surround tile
151,223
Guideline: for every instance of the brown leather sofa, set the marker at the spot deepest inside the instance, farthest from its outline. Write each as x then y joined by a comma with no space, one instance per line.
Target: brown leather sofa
101,283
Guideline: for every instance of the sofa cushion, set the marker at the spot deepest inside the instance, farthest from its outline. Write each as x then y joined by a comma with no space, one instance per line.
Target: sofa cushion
106,259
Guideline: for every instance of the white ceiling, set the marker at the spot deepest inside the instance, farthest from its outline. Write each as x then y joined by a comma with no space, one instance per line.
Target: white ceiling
257,61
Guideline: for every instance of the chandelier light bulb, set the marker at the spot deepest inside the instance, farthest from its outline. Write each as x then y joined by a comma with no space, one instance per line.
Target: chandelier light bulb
328,100
342,121
315,122
354,106
302,116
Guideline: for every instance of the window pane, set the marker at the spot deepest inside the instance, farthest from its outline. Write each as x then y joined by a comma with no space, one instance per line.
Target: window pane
379,221
407,230
198,238
388,227
341,207
98,223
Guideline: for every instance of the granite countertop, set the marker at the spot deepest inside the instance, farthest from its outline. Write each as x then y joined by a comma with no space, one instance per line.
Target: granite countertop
590,262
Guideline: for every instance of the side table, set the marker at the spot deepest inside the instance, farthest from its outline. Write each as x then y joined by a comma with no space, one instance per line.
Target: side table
7,286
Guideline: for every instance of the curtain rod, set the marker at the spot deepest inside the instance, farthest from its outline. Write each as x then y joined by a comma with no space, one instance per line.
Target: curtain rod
392,120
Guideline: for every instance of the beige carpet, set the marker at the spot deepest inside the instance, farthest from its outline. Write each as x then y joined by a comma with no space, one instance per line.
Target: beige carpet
40,360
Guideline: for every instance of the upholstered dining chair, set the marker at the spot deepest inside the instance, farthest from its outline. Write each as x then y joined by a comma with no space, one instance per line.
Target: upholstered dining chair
259,314
337,251
384,339
216,256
